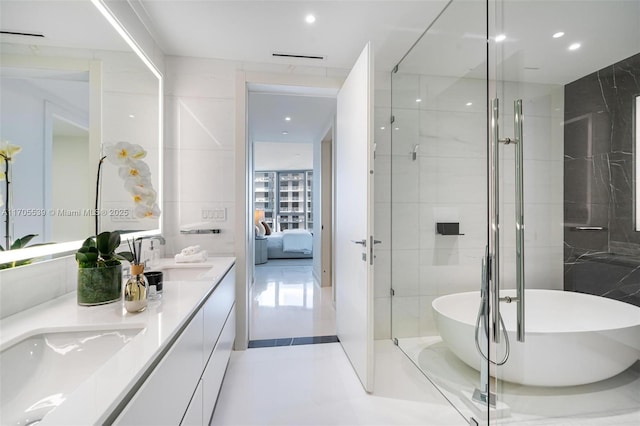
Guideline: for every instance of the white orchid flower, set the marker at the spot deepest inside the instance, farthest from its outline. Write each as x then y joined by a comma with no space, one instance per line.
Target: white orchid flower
123,153
137,181
134,169
146,211
142,195
136,175
8,150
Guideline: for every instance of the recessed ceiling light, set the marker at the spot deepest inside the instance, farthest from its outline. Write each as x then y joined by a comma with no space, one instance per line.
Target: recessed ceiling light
574,46
132,116
469,103
382,128
500,37
418,100
285,133
287,118
396,128
310,19
558,34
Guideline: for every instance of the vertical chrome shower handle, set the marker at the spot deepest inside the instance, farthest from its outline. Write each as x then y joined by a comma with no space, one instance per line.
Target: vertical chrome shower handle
494,221
518,128
494,218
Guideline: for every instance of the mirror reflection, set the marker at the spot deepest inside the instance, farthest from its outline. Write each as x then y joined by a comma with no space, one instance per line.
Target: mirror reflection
70,89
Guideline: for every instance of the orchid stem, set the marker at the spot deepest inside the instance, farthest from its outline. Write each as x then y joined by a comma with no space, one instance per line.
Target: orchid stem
7,211
98,193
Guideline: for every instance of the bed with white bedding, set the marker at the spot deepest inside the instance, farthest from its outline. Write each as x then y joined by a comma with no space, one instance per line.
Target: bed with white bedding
290,244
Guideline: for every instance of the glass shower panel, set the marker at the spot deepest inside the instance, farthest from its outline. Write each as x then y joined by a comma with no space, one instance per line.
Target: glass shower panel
439,192
575,67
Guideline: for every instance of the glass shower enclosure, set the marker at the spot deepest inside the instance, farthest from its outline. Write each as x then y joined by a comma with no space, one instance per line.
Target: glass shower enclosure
514,252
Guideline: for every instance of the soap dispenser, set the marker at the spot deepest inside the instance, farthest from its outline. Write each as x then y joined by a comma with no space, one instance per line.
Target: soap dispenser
153,255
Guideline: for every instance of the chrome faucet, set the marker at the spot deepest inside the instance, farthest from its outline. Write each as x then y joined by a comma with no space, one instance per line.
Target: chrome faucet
160,239
162,242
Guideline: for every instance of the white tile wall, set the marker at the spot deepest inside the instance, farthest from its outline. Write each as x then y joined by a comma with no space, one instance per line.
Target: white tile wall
448,184
199,151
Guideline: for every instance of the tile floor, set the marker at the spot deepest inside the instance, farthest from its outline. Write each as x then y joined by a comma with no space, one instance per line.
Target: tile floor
315,384
285,302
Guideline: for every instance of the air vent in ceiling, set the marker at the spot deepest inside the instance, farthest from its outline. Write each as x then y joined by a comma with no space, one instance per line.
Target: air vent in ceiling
298,56
21,33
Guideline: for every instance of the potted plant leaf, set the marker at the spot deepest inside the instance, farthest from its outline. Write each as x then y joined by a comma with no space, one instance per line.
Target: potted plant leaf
100,269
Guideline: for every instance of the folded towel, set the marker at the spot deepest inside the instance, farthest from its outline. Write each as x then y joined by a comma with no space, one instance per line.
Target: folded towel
200,256
190,250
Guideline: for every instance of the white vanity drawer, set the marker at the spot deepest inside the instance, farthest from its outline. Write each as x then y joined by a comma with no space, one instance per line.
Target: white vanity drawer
217,366
216,310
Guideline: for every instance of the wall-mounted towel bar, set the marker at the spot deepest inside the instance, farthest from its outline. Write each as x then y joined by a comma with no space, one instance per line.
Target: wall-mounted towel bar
200,231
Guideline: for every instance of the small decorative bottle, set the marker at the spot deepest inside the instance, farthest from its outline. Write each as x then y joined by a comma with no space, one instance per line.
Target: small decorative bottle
135,290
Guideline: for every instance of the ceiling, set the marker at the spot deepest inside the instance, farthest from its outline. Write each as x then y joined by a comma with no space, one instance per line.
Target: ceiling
77,24
284,127
249,30
308,117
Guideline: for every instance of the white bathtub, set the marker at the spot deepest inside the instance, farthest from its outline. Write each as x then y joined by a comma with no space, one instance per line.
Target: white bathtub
571,338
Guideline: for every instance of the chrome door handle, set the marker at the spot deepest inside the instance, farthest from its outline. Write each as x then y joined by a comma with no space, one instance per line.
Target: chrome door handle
519,134
361,242
494,217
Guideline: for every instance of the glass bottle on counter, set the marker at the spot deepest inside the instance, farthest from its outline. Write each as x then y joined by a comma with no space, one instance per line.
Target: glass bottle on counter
136,290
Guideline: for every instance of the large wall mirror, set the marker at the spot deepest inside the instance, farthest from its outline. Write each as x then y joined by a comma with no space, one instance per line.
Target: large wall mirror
70,87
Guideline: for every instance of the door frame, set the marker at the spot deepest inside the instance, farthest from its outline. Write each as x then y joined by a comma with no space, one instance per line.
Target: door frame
243,227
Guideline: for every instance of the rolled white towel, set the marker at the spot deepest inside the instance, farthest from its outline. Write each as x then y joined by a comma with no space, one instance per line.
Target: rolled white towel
200,256
190,250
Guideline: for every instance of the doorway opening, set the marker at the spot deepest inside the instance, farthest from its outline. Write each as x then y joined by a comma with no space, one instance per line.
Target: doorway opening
289,135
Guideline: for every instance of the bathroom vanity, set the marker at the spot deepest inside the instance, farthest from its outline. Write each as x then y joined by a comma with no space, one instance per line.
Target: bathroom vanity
164,365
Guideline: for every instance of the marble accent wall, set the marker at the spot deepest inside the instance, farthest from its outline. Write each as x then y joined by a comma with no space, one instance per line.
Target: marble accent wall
599,183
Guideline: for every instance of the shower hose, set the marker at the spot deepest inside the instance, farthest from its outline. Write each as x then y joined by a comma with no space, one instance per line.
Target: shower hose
481,312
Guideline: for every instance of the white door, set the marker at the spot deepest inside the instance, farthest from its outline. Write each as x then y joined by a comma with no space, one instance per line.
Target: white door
353,237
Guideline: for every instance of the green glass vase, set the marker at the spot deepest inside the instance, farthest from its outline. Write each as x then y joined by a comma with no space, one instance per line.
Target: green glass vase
98,286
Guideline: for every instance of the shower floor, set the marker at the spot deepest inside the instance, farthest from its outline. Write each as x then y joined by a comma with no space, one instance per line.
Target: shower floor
615,401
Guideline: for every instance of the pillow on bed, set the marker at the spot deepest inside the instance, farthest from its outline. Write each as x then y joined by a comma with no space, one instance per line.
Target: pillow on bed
267,229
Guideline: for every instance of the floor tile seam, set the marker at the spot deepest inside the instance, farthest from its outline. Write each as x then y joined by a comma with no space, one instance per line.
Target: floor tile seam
292,341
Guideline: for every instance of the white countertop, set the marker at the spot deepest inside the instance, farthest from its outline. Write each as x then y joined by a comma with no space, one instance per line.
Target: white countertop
96,398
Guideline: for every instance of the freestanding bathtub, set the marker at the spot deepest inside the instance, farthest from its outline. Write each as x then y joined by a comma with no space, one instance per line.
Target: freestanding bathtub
571,338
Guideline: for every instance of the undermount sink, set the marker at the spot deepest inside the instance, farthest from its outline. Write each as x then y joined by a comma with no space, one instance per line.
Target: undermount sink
184,273
39,372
